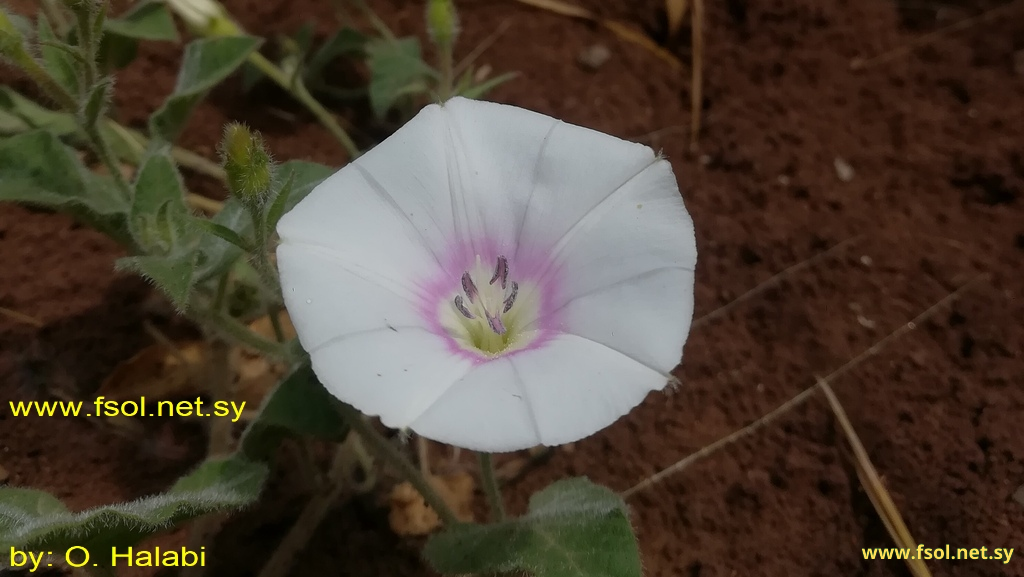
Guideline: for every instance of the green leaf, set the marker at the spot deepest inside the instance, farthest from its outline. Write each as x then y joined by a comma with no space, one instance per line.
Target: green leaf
573,528
58,57
96,102
299,405
174,273
36,168
476,91
344,41
397,70
157,183
32,520
225,233
276,210
207,62
147,20
220,254
19,114
160,220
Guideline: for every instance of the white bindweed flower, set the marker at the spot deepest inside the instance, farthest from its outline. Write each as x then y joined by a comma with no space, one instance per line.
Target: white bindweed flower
493,278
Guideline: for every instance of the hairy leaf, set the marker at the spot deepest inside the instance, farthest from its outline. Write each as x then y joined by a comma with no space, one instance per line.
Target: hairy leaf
36,168
573,528
220,254
206,63
32,520
174,273
147,20
397,70
58,57
19,114
299,405
343,42
476,91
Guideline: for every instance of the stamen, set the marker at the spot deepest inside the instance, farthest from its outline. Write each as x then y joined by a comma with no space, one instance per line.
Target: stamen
511,300
496,325
501,271
468,287
462,308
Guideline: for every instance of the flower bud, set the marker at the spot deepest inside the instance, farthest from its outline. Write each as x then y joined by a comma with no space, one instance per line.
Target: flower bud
247,163
442,21
206,17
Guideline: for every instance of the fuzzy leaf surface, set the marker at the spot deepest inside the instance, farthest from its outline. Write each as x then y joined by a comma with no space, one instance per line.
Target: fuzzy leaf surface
36,521
573,528
206,63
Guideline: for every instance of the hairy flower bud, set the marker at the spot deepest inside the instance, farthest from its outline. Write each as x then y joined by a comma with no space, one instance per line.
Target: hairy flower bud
442,21
247,163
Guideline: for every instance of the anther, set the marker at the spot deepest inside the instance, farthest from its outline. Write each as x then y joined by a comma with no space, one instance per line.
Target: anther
511,300
501,272
462,308
468,287
496,325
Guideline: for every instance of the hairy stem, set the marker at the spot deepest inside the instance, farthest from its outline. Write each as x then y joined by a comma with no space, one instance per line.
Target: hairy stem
397,459
298,90
491,488
311,517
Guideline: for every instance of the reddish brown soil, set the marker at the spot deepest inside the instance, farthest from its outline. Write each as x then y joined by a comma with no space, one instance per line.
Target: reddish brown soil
935,139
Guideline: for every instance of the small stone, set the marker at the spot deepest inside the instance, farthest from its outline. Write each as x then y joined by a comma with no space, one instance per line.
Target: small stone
843,169
783,180
866,260
704,159
594,56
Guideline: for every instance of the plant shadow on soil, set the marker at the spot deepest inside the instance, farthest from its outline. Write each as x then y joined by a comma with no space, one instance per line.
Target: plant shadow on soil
934,140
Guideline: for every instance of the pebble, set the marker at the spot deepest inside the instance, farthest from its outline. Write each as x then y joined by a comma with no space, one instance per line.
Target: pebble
843,169
594,56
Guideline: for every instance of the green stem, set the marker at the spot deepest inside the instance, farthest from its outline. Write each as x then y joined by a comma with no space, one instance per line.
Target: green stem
299,91
46,83
375,20
101,148
222,291
388,452
239,333
88,45
182,156
274,312
491,488
447,76
57,19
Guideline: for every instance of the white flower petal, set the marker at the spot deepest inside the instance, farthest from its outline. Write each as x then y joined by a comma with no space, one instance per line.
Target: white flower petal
351,214
495,149
486,410
552,395
646,318
326,301
576,386
412,167
392,374
578,170
643,226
